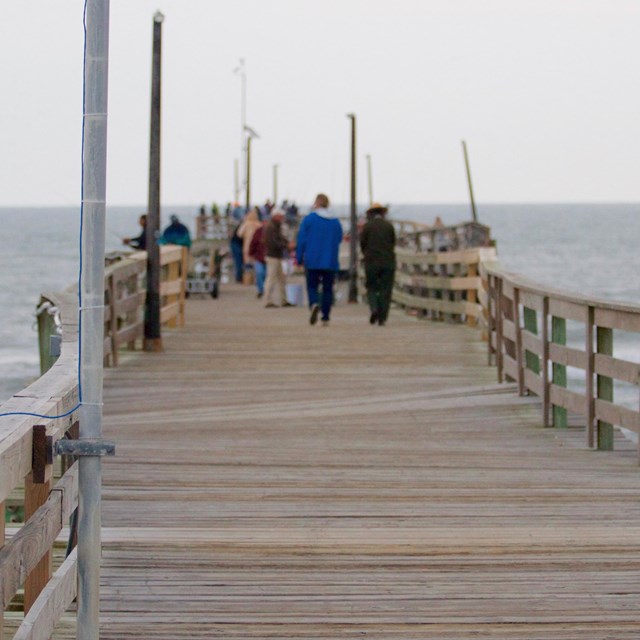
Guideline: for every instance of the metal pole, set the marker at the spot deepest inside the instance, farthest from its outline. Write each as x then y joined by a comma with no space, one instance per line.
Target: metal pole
370,176
353,254
248,192
466,164
94,153
240,70
152,330
275,185
236,184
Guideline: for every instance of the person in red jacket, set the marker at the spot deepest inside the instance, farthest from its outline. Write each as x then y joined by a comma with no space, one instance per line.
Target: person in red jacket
257,254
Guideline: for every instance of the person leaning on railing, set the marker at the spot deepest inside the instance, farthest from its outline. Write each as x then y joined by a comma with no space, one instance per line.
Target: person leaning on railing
140,241
378,241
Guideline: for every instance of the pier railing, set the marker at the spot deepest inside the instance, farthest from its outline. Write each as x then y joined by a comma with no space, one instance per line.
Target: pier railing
456,278
437,271
527,341
28,443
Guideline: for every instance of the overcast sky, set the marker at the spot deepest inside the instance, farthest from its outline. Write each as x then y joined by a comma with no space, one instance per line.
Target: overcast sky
545,92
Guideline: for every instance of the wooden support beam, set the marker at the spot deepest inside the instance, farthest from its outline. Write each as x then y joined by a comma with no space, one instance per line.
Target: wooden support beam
35,495
589,388
546,405
604,385
55,599
532,360
472,294
113,320
22,555
559,371
518,341
499,351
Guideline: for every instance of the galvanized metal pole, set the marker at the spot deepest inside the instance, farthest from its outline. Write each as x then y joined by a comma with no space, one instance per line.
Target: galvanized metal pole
240,70
353,254
236,182
152,328
248,194
466,164
370,176
94,153
275,185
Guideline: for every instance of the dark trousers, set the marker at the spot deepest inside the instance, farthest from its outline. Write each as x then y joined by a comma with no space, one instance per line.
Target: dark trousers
238,261
379,288
315,279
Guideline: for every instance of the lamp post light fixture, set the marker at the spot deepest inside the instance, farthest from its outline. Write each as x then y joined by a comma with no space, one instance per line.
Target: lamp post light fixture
242,73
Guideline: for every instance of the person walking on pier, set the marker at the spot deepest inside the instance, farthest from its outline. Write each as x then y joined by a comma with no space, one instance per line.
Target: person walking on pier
317,250
378,241
235,244
249,226
256,253
276,245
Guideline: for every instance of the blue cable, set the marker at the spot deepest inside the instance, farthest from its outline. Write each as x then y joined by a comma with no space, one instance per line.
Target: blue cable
68,413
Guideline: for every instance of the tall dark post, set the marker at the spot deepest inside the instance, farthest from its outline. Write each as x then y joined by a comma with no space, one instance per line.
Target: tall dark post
353,254
466,164
152,334
248,202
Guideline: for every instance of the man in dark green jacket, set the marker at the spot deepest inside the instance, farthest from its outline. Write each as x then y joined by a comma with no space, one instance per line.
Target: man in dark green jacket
378,241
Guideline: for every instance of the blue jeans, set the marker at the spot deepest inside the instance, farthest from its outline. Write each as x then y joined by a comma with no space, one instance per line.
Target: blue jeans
260,270
238,261
315,278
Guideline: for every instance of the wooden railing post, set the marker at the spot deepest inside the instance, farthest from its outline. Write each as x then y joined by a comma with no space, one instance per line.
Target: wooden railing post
532,360
589,388
472,294
35,495
518,344
113,319
499,347
184,268
545,363
604,339
132,287
559,377
173,273
491,325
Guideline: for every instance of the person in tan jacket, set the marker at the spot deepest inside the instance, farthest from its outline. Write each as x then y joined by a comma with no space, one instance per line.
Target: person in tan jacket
249,226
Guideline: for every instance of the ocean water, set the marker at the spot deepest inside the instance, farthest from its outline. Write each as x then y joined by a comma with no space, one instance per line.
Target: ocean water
587,248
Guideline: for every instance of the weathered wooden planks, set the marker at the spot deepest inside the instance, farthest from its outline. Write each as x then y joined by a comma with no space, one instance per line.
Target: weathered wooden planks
279,480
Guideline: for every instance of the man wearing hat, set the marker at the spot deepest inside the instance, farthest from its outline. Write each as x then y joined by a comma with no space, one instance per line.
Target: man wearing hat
378,241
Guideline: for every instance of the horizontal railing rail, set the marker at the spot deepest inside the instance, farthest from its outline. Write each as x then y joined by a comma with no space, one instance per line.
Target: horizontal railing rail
27,442
527,327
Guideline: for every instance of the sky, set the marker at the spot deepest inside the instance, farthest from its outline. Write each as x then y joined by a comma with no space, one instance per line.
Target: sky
545,93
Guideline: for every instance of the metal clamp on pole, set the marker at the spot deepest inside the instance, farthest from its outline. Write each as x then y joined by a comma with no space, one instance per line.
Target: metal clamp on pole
88,447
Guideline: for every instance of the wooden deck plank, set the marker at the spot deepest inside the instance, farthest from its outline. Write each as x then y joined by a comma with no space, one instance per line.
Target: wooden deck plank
276,480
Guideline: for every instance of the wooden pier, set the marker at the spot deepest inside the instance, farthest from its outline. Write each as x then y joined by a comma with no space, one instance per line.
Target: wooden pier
278,480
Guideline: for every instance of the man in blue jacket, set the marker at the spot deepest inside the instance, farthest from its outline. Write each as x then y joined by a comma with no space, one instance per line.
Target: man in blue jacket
318,244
